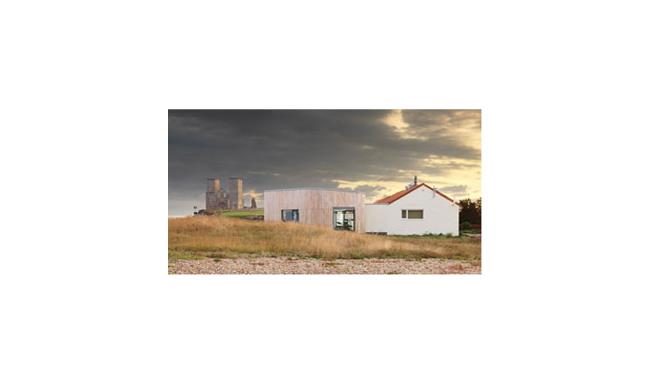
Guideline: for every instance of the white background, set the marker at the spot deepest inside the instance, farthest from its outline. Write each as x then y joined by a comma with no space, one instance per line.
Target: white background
85,90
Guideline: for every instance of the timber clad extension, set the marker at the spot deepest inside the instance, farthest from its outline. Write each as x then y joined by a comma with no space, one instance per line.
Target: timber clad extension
337,209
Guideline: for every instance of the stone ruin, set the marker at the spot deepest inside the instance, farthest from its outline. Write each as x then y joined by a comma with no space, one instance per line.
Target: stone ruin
217,198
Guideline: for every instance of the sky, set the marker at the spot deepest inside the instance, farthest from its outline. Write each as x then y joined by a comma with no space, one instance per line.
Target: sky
376,152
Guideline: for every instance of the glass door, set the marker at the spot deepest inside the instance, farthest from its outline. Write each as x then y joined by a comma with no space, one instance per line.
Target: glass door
344,218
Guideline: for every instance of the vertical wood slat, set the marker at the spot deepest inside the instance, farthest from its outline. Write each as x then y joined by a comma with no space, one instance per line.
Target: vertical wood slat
315,206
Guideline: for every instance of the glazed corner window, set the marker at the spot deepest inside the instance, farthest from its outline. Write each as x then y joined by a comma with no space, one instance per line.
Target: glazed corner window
290,215
412,214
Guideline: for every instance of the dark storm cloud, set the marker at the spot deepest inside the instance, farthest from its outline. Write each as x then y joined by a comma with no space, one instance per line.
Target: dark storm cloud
291,148
441,122
369,190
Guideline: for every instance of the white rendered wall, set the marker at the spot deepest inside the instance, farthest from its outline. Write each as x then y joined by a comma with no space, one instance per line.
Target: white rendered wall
440,215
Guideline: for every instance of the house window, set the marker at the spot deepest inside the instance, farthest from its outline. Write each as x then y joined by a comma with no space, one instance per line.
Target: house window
290,215
412,214
343,218
416,214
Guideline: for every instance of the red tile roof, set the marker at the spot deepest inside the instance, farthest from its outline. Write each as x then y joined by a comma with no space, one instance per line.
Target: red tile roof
392,198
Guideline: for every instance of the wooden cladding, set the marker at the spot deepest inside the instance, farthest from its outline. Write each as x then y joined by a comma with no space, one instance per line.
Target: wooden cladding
315,206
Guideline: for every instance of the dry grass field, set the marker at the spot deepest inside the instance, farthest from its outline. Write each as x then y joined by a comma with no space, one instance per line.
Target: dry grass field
217,237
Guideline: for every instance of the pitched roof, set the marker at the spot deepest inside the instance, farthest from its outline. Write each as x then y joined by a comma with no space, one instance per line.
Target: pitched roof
392,198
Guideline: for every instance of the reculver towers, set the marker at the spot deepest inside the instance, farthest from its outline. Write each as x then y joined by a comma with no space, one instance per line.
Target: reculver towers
236,192
218,199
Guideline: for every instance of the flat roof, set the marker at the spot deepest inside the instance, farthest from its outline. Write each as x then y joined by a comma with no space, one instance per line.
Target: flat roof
316,189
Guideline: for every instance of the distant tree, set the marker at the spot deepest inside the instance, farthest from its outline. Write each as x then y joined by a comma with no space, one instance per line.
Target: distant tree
470,211
466,225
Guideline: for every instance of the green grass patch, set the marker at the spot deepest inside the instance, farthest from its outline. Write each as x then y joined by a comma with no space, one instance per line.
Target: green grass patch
243,213
173,255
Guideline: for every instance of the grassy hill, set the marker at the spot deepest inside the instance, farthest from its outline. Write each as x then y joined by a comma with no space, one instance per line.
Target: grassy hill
244,213
220,236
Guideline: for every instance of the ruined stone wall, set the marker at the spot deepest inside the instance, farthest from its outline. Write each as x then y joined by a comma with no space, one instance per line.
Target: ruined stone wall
236,192
217,198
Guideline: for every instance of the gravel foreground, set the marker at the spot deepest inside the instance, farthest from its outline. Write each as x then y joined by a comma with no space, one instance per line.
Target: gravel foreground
289,265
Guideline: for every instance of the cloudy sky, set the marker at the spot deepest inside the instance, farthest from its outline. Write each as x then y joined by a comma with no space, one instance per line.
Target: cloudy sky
373,151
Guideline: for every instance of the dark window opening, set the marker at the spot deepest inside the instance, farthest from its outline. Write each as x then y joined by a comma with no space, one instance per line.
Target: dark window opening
290,215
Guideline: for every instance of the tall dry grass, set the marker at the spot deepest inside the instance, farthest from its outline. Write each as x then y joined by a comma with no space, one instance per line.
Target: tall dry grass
222,236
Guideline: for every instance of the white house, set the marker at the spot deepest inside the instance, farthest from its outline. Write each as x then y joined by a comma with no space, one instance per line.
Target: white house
419,209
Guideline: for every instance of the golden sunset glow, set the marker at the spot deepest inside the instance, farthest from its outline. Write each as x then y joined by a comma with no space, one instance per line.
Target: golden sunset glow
456,177
395,120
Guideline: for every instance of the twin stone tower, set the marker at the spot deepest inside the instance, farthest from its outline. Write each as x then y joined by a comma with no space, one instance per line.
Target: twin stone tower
217,198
